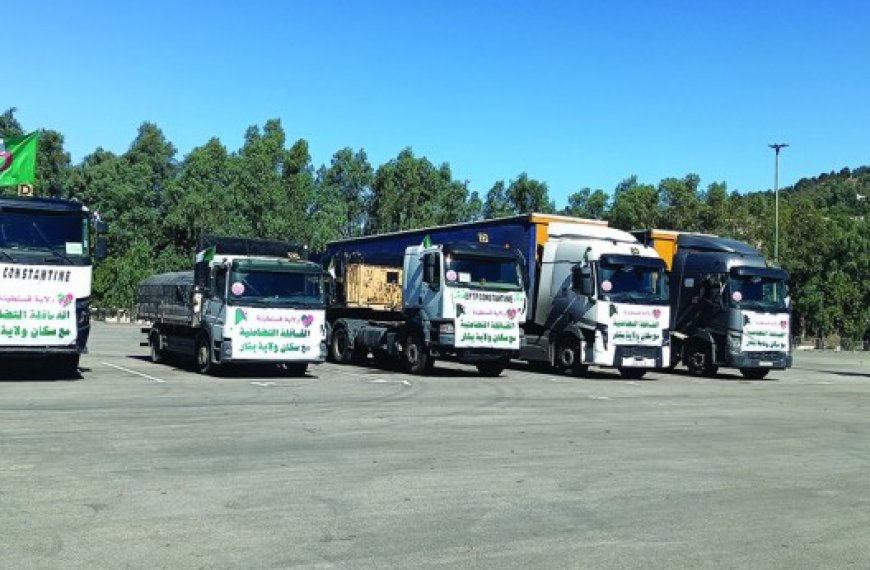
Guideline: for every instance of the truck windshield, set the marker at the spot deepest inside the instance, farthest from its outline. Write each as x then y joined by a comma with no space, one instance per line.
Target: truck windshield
482,272
62,233
759,293
275,287
628,283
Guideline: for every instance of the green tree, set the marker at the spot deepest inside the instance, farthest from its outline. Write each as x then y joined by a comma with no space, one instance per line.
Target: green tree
586,203
635,206
680,203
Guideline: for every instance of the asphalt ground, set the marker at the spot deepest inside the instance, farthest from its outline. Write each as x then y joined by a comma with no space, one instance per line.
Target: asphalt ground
144,465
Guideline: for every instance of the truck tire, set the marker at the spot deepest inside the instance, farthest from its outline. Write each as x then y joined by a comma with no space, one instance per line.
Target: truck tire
418,360
157,353
340,349
754,373
492,368
66,366
296,369
568,355
699,360
204,365
632,373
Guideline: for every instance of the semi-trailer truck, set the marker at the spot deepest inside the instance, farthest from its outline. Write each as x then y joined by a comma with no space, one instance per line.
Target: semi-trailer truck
47,248
597,297
247,301
729,305
416,296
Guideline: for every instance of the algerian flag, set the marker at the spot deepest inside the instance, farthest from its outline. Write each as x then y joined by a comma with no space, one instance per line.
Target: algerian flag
18,160
427,242
205,255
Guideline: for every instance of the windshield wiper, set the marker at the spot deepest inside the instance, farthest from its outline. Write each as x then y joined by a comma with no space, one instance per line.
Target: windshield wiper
8,255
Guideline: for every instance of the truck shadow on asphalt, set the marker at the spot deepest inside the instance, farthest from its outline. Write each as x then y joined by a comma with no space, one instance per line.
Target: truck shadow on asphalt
233,371
839,373
30,372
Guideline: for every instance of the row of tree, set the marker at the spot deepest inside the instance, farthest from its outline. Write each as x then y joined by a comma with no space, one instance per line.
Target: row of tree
157,204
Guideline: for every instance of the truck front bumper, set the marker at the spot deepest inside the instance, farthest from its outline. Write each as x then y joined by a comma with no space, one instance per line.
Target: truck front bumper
772,360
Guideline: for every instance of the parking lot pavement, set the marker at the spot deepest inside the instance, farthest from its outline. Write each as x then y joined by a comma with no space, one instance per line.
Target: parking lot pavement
137,464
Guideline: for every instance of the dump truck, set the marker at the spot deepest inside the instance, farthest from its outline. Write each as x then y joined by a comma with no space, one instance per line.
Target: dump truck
597,297
729,305
47,249
247,301
411,297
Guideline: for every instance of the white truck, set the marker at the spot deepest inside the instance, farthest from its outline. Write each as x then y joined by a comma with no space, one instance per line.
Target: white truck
413,297
598,296
47,248
247,301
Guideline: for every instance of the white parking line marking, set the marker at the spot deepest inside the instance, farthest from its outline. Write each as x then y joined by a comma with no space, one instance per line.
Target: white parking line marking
134,372
382,381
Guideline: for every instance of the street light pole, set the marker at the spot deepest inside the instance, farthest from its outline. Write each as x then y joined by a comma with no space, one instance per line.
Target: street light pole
776,147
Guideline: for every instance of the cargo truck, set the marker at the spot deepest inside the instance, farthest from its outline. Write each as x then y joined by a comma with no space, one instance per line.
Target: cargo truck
247,301
729,306
413,297
597,297
47,248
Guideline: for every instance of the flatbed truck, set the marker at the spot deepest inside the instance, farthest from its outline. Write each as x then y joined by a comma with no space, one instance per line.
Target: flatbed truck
247,301
409,298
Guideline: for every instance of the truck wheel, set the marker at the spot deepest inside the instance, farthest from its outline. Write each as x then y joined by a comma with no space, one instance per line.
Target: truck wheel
157,354
296,368
340,348
66,366
492,368
699,360
754,373
204,365
568,357
632,373
417,357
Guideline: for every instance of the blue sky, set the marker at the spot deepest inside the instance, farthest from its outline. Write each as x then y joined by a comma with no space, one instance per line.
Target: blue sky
574,93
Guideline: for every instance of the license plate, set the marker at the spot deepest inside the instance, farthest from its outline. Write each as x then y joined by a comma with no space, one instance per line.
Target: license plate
638,362
765,363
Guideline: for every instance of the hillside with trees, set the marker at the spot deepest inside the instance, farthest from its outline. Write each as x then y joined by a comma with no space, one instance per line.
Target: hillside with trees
158,202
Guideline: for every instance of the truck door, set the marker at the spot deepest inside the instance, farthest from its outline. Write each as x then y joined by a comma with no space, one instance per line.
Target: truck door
431,292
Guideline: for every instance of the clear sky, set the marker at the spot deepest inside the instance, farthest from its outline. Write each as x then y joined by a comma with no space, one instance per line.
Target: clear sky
575,93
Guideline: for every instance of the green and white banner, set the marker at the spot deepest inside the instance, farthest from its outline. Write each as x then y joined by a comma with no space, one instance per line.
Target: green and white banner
275,334
764,332
38,303
638,325
486,319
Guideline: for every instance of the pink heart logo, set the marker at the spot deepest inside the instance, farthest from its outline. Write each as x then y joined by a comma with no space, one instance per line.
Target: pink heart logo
5,160
307,320
511,313
657,313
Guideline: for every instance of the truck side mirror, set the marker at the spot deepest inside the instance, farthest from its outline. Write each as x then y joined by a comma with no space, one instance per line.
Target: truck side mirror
430,270
101,248
581,280
100,226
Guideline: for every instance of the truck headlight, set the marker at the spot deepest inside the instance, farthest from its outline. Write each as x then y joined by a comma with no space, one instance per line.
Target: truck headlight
445,328
666,337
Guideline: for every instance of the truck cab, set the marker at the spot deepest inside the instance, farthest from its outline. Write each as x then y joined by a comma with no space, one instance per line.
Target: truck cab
730,306
602,301
47,247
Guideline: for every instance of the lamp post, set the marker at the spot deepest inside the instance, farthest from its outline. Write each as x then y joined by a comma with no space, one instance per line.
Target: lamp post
776,147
